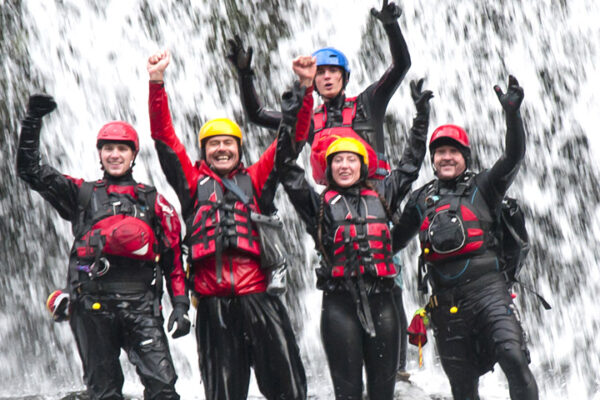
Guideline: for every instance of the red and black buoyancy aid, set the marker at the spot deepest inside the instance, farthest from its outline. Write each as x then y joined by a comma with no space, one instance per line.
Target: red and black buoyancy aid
360,243
361,130
457,225
323,137
115,225
222,220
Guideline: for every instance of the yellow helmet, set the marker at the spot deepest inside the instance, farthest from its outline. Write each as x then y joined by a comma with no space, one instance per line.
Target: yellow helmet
348,144
217,127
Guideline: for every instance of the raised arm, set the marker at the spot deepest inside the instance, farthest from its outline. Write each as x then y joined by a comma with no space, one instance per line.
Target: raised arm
381,91
298,118
174,160
241,60
503,172
61,191
397,184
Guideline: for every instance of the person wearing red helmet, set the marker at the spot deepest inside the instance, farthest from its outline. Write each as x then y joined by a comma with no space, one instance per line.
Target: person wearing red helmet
362,117
454,215
239,325
127,238
349,222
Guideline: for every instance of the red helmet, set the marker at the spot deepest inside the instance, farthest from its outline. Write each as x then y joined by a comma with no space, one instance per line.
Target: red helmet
118,131
451,135
446,134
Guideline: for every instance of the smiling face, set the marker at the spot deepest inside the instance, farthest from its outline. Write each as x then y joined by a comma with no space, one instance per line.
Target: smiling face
448,162
329,80
345,168
222,153
116,158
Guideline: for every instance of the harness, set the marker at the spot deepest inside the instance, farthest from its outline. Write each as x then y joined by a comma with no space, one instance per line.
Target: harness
458,225
360,244
348,114
99,217
222,221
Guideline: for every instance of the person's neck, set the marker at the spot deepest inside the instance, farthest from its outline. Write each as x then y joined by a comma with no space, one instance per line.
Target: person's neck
126,178
335,101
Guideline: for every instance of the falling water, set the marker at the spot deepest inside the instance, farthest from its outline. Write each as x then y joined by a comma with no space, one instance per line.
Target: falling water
91,56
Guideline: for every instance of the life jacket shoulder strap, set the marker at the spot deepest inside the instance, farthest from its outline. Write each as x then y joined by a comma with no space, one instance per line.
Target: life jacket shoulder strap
348,114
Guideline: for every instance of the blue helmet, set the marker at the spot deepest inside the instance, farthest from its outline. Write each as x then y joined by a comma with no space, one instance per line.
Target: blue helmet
331,56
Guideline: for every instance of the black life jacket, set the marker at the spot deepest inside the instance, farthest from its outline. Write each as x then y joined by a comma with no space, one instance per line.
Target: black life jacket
222,221
359,243
457,225
116,225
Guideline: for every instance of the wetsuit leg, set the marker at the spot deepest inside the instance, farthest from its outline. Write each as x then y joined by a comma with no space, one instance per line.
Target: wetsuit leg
381,352
222,349
98,341
504,337
457,351
275,355
147,348
397,291
342,337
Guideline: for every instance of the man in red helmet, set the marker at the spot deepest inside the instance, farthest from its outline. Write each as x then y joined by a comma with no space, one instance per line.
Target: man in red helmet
127,237
238,325
471,308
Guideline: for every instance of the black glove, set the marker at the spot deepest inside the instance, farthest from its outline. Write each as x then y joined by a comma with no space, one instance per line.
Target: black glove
40,105
420,98
512,99
180,315
389,13
240,58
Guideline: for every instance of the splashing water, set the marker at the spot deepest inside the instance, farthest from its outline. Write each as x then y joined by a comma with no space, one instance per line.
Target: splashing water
91,57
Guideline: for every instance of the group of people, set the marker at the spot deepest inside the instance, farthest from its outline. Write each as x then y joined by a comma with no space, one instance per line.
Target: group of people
128,239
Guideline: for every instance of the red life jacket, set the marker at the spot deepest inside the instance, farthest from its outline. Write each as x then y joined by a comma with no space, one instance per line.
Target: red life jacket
363,241
115,225
325,136
221,221
457,225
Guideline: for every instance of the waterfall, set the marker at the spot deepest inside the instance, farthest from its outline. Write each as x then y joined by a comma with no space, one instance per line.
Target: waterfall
91,56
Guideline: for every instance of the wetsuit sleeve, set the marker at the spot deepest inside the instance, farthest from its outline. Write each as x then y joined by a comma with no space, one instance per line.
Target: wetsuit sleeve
408,223
397,185
253,108
59,190
263,172
301,194
379,93
495,182
181,174
171,261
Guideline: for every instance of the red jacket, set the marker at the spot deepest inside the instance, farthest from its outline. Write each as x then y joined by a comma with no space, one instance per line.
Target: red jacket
240,272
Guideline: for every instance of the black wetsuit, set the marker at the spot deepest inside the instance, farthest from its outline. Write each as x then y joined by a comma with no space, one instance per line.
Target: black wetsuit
347,345
371,103
485,330
120,309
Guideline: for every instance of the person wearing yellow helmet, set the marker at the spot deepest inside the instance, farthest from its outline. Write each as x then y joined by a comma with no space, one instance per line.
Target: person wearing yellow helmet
362,115
350,224
239,325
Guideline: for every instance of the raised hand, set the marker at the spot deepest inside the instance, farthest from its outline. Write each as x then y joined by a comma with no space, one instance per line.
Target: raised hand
512,99
40,105
240,58
388,14
306,69
420,98
157,64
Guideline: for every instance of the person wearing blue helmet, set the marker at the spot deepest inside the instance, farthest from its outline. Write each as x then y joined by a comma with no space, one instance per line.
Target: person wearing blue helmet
361,116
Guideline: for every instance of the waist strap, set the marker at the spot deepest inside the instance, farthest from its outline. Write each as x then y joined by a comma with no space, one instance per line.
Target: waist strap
450,295
113,287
